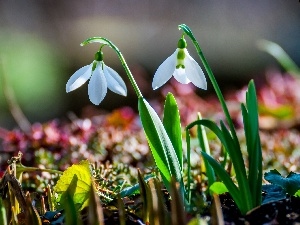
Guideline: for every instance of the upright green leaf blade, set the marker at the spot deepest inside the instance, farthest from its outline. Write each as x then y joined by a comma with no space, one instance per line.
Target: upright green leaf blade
171,122
251,126
160,145
203,141
224,176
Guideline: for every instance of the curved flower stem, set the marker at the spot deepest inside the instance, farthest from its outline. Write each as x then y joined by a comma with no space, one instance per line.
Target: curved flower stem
211,76
231,141
107,42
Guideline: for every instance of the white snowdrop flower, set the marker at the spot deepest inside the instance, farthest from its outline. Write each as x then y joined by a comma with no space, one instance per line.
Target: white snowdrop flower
100,78
182,66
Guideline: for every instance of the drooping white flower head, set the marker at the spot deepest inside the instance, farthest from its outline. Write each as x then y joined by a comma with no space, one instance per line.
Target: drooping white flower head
182,66
101,77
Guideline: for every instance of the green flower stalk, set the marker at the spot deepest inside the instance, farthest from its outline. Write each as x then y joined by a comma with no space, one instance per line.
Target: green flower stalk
247,194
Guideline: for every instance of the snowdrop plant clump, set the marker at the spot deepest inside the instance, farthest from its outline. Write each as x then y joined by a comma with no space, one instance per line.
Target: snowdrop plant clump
165,136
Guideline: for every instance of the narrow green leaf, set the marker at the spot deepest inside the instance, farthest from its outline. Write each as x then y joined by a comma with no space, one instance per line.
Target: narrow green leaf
70,209
251,126
188,153
160,145
81,188
209,124
246,127
171,122
239,166
203,141
224,176
135,188
149,120
234,153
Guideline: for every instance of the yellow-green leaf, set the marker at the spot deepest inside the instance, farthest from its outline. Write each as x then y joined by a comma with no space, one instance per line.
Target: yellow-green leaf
76,180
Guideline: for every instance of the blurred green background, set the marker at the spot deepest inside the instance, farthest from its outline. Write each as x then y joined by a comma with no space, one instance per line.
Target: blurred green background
39,45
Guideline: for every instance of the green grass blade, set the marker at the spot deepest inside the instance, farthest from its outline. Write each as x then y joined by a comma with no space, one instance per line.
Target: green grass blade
171,122
224,176
253,143
235,154
201,133
135,188
209,124
160,145
188,153
153,136
238,163
203,142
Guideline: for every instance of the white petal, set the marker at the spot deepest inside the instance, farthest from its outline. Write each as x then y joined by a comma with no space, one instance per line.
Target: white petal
114,81
164,71
194,72
79,78
97,87
180,76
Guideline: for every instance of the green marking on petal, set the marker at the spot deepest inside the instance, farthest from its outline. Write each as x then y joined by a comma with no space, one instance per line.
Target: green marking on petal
180,59
94,65
180,66
180,54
